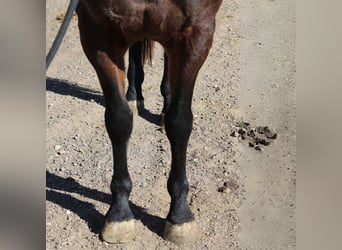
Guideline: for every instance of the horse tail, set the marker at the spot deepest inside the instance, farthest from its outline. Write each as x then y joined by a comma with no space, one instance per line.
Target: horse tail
147,51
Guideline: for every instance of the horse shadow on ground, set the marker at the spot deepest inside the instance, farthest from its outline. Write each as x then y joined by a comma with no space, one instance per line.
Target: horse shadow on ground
56,187
64,87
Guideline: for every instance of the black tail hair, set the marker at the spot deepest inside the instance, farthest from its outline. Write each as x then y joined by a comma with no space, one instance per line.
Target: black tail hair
147,51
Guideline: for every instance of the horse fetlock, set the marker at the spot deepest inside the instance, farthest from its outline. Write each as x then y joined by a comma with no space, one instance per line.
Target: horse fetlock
181,234
118,232
121,187
141,106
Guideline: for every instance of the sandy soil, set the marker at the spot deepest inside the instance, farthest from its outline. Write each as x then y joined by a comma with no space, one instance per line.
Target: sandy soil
249,76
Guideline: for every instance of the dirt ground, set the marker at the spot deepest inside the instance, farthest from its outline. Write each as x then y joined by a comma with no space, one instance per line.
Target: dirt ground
248,76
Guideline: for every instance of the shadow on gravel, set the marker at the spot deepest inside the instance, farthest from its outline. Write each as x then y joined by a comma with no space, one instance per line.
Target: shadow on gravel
150,117
86,210
64,87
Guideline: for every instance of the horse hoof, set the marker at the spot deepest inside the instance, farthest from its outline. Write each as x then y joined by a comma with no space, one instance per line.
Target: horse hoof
181,234
133,107
118,232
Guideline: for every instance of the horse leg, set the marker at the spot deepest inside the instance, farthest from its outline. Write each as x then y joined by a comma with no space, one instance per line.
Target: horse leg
108,61
135,76
185,62
165,89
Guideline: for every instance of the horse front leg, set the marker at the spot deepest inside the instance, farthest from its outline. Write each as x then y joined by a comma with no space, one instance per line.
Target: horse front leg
119,224
107,59
184,64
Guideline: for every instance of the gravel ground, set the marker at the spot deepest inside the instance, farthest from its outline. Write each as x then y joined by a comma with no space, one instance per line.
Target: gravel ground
79,157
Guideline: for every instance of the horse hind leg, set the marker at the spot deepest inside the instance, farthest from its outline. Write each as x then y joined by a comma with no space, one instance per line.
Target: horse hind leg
135,77
165,90
119,223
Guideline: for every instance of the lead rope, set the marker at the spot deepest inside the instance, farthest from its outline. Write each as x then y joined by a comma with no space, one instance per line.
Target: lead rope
61,32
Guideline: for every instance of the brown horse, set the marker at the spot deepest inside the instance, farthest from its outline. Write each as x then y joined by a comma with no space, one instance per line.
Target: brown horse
185,29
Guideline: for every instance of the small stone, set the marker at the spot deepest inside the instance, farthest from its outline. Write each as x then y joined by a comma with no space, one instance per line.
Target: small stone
60,17
76,137
231,184
224,190
61,152
73,178
58,147
258,148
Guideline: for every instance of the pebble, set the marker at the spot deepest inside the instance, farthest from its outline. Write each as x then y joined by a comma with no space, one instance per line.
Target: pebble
74,178
224,189
76,137
61,152
58,147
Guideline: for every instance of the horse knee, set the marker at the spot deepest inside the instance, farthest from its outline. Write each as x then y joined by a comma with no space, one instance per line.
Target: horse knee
178,126
119,123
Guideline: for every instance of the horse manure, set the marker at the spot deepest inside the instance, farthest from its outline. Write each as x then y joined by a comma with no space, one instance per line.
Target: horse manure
242,131
260,130
256,137
262,141
269,134
251,133
233,133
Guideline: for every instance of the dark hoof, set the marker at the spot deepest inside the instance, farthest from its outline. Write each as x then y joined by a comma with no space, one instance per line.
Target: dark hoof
118,232
181,234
